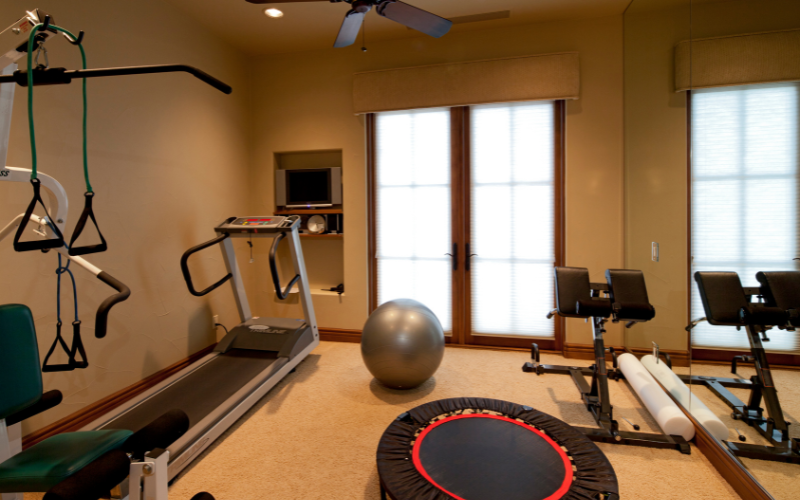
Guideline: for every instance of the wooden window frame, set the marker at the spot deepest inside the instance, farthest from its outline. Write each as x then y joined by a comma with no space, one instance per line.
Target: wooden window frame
460,149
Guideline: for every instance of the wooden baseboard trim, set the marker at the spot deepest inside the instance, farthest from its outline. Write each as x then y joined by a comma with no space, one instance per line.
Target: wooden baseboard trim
340,335
84,416
586,351
354,336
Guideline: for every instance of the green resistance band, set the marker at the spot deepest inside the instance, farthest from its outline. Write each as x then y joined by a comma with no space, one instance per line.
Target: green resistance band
30,104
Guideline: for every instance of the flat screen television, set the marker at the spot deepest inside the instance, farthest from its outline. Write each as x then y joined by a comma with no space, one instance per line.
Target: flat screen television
308,187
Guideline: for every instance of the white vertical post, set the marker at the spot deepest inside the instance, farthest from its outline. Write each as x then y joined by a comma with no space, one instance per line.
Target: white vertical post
239,293
156,484
6,107
10,445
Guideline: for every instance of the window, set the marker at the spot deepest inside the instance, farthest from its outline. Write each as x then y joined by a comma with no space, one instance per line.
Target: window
466,217
744,194
512,219
412,193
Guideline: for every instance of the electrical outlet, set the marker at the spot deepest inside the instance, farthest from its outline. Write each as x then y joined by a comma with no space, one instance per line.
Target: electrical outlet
655,255
214,321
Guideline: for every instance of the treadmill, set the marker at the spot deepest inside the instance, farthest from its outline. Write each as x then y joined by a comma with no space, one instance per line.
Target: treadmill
249,361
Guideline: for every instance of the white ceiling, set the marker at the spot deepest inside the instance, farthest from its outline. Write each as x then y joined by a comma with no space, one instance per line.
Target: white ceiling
314,25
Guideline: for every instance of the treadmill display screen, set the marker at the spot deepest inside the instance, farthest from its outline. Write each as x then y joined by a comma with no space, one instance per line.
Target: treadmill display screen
253,222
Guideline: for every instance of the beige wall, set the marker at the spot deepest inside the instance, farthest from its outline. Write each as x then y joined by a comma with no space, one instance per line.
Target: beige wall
304,102
656,147
168,158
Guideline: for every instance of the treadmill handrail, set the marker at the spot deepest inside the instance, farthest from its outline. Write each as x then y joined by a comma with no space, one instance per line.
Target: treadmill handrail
187,276
273,267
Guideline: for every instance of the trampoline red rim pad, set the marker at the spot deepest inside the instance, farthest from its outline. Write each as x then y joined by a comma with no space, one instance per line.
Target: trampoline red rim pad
567,463
575,468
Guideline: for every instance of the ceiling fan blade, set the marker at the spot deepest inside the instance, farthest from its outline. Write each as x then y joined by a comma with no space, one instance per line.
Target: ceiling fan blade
349,30
284,1
415,18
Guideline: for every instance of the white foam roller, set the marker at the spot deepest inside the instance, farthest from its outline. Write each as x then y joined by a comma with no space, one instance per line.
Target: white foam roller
669,417
679,391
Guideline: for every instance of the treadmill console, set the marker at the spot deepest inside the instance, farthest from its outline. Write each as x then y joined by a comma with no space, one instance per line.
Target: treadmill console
258,224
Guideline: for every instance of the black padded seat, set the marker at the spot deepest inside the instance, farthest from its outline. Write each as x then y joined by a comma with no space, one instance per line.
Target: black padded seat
726,304
629,295
723,297
574,295
781,289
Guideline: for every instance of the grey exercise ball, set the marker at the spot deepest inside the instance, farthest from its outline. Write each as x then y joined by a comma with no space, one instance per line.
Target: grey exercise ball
402,343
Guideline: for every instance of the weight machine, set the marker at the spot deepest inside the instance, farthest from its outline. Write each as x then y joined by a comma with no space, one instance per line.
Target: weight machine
727,303
625,300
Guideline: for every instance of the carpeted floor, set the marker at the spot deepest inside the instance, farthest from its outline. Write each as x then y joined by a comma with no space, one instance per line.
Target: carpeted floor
781,480
314,436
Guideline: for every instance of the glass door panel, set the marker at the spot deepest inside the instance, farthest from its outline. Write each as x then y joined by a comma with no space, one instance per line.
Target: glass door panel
413,209
512,217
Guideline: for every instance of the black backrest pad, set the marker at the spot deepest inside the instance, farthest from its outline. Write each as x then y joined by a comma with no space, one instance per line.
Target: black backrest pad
572,285
20,375
781,289
629,294
722,295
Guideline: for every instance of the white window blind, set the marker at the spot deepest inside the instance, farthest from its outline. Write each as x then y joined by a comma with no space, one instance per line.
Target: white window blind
744,194
513,219
412,189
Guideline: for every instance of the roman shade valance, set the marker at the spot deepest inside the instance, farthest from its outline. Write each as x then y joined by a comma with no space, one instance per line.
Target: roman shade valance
738,60
528,78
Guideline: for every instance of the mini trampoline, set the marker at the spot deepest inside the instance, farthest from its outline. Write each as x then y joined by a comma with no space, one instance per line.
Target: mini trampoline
486,449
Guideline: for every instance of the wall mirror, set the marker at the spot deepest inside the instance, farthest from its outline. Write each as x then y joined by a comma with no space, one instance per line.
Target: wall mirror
712,153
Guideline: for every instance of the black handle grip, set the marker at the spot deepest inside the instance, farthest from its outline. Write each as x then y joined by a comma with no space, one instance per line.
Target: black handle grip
273,267
88,213
101,319
27,246
187,276
161,68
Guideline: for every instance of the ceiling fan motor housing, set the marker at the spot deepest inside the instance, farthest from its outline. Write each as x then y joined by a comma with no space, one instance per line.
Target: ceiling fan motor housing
362,6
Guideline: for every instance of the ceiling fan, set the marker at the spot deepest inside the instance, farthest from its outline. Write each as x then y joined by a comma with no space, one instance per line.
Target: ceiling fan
395,10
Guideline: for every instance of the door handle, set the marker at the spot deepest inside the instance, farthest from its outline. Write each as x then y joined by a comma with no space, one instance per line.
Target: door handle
469,257
454,256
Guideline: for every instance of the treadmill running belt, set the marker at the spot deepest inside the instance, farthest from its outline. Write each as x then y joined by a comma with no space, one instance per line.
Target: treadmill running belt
201,392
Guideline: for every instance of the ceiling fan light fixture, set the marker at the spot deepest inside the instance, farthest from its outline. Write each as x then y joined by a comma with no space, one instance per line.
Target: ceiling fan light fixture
273,13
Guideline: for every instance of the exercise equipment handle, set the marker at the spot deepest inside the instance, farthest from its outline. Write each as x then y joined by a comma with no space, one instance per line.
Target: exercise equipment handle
53,76
101,319
187,276
273,267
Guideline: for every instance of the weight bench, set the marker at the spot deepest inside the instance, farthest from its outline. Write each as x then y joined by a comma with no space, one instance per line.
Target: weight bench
625,300
73,465
727,303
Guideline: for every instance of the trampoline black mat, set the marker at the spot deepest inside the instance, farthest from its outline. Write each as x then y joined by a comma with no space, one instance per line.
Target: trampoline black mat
486,457
486,449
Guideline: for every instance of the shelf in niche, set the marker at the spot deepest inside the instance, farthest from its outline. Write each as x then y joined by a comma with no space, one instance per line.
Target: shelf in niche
326,293
323,236
308,211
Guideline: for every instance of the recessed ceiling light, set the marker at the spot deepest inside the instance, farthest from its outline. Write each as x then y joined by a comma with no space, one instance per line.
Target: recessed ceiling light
273,13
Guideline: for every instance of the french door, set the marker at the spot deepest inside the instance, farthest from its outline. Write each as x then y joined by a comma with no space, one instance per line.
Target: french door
466,217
